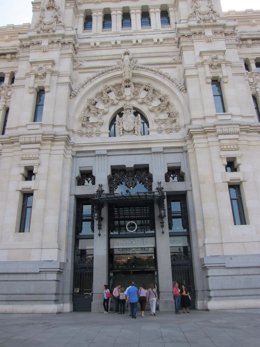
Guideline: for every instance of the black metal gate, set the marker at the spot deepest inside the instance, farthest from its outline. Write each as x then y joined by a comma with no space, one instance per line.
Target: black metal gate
182,273
83,279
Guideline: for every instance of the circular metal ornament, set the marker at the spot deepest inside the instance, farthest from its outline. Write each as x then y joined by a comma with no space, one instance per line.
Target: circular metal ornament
131,226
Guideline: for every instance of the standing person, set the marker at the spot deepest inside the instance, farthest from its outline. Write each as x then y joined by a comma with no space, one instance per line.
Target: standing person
152,298
177,297
132,298
185,299
142,299
116,297
106,298
122,300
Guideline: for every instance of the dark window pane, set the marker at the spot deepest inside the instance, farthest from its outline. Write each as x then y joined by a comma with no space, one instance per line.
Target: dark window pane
26,213
257,65
237,205
2,79
177,213
218,97
145,19
107,22
126,21
5,121
165,20
88,23
39,106
257,110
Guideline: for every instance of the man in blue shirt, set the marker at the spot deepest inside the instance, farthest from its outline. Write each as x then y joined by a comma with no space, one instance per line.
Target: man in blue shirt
132,298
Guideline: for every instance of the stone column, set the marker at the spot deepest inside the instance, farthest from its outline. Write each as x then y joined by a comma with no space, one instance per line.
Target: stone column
162,237
158,18
172,16
81,22
252,64
133,18
138,19
95,21
119,19
99,21
153,18
100,266
114,19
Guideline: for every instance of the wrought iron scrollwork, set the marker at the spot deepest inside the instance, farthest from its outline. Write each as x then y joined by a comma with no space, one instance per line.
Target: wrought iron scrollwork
130,178
174,175
98,208
85,178
161,205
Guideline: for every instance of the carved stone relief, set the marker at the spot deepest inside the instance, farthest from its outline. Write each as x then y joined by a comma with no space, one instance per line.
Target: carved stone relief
128,124
166,116
203,11
215,66
40,76
49,18
5,95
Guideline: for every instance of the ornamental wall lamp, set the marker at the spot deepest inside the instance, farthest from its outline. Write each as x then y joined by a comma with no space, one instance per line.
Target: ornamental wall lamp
161,205
98,208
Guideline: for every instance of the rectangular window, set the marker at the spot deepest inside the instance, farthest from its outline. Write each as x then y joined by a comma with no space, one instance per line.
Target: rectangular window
126,20
257,64
237,205
39,106
107,21
87,226
257,110
165,19
2,79
145,20
5,121
177,214
218,97
88,23
26,213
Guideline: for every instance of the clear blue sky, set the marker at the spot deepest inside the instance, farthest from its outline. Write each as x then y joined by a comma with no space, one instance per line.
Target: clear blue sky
20,11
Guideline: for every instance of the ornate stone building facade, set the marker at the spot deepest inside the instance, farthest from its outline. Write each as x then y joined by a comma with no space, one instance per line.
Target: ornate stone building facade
129,150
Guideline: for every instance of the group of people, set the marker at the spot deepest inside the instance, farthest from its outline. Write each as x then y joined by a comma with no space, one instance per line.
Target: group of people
131,296
182,299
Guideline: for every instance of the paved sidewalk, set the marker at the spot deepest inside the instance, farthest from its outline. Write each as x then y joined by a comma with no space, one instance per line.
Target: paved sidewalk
239,328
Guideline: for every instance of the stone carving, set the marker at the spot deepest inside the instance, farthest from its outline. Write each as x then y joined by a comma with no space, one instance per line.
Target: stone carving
128,124
127,65
133,66
40,76
5,94
49,18
166,116
203,11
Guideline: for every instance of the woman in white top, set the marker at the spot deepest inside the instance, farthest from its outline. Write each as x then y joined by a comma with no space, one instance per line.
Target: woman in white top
152,298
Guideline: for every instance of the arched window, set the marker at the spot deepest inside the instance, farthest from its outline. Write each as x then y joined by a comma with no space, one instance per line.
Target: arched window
107,20
126,20
165,19
143,125
145,18
88,22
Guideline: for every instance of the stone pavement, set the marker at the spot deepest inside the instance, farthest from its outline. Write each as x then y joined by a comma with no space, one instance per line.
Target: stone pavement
239,328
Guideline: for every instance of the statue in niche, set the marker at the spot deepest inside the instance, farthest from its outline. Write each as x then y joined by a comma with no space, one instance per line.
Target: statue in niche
127,64
128,123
